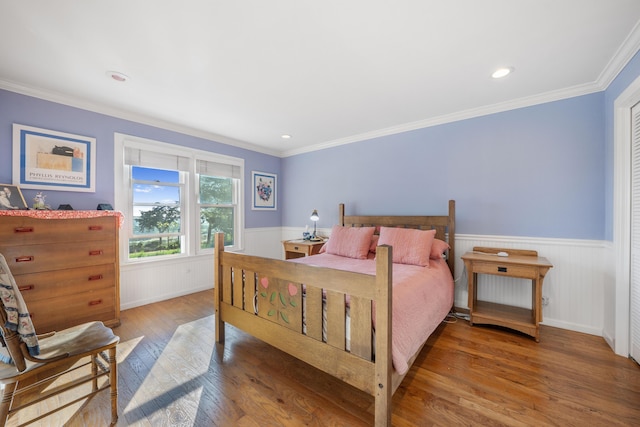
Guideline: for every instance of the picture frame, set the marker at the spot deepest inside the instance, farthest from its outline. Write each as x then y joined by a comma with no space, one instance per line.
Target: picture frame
265,191
11,198
52,160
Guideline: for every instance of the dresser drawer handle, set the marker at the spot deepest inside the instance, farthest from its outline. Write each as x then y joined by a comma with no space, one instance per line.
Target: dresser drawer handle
27,258
95,227
96,277
95,302
502,269
23,230
296,248
26,288
96,252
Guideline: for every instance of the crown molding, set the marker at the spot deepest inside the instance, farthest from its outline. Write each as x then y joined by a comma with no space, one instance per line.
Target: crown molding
620,59
131,116
454,117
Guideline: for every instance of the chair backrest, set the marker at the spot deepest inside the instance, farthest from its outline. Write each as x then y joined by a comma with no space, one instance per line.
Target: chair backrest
9,289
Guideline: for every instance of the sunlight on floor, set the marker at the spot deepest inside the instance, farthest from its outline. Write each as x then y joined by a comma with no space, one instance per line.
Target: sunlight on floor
157,380
168,372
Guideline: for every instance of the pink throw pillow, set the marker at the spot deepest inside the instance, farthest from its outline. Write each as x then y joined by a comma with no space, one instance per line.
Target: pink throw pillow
410,246
350,242
374,243
438,248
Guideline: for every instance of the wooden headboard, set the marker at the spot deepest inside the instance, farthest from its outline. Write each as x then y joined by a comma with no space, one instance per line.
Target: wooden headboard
445,226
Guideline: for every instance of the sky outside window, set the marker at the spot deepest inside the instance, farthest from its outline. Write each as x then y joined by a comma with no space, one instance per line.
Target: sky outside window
149,193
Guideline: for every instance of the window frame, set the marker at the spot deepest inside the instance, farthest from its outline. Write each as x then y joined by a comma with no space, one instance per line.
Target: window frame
190,207
182,190
200,206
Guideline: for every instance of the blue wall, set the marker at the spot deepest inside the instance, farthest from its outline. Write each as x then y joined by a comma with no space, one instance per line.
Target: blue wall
535,171
25,110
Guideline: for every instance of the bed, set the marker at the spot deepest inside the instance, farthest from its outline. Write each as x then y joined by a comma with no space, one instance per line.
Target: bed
338,317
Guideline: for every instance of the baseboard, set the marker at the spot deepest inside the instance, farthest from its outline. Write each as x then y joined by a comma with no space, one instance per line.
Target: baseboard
165,296
572,327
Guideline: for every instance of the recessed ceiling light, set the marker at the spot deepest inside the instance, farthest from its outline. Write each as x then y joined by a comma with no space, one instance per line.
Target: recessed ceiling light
117,76
502,72
285,136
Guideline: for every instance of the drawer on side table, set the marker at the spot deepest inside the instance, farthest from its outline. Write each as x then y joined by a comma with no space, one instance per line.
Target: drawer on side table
301,248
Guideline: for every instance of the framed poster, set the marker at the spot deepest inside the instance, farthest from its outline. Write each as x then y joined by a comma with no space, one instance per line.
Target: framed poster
264,191
11,198
51,160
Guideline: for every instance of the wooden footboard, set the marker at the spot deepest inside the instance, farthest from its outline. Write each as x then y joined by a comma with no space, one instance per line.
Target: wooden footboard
264,297
281,303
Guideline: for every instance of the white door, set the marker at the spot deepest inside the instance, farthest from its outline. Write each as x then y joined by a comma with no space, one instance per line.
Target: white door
635,235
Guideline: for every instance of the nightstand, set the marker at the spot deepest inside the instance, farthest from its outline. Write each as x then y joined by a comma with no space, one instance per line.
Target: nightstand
301,248
522,264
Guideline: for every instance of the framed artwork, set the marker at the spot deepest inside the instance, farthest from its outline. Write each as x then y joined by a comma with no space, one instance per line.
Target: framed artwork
46,159
11,198
264,191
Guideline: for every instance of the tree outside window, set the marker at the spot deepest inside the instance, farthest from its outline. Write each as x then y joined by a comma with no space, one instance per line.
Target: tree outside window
156,213
217,209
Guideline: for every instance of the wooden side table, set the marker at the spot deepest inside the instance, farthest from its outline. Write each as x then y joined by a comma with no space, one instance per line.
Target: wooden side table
301,248
522,264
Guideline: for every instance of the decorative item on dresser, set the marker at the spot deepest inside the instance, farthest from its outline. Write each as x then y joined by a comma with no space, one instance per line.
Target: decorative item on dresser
65,264
11,197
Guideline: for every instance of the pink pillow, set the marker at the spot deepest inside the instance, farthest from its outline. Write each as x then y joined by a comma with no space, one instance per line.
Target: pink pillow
374,243
438,248
350,242
410,246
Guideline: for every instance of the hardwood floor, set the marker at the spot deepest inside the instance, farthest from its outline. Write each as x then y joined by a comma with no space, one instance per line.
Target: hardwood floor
172,374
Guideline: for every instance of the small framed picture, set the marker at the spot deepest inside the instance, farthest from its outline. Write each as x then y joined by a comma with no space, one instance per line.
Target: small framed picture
11,198
264,192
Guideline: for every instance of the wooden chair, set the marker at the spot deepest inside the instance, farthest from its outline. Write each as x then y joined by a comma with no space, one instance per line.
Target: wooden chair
29,379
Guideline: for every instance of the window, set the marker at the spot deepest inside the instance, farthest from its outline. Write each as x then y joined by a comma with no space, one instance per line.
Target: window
157,212
217,201
175,199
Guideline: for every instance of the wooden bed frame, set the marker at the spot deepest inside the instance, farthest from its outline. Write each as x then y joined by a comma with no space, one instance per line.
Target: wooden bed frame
264,297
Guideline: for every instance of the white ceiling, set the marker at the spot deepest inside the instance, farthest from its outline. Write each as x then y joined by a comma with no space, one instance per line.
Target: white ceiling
328,72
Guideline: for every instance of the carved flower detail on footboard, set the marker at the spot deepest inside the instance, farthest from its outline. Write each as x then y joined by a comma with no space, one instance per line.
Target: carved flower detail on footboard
280,300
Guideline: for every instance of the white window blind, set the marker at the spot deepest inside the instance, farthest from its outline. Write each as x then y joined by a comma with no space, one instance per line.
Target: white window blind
635,235
205,167
152,159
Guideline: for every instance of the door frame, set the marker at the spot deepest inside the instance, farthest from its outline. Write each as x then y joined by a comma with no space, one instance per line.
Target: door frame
622,215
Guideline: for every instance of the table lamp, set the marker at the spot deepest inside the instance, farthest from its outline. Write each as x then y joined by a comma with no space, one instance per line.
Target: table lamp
314,218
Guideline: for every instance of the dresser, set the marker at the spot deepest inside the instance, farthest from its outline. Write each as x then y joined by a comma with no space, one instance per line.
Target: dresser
65,264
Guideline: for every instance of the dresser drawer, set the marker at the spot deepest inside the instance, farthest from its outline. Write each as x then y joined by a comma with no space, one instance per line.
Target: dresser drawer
506,269
51,284
62,312
27,231
37,258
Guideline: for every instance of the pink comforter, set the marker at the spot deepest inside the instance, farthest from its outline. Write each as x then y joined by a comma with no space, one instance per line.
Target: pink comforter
422,297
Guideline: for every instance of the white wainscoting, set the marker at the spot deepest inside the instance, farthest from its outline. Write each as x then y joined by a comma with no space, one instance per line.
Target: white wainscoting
575,285
150,282
146,283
